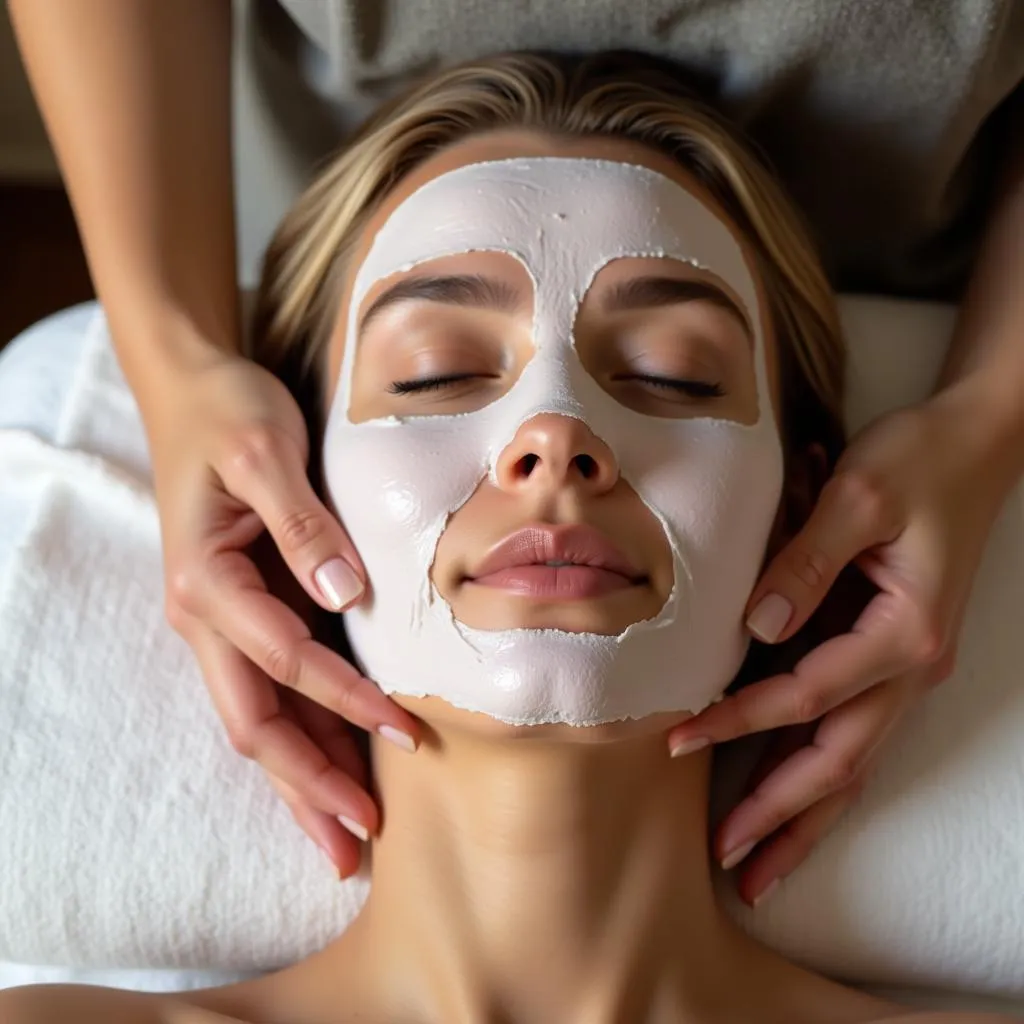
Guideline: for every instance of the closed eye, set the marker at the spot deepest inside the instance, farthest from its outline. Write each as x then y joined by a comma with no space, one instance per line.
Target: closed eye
410,387
693,388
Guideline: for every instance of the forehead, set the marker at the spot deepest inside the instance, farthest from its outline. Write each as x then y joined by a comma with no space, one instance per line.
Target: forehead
563,218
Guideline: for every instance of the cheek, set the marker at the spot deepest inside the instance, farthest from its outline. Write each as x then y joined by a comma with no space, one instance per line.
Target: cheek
468,534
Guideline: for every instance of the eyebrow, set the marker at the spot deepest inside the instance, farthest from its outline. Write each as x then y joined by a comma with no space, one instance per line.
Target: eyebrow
650,292
473,290
478,291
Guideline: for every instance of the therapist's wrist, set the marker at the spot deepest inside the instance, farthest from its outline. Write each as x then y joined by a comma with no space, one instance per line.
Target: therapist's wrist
988,408
164,349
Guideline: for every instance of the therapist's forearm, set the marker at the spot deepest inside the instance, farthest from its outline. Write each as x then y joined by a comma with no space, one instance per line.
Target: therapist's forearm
986,358
136,95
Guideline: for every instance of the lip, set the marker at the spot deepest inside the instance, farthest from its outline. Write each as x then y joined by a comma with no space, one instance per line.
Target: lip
595,566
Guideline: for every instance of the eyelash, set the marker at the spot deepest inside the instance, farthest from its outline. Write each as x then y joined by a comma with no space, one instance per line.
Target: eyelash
693,388
410,387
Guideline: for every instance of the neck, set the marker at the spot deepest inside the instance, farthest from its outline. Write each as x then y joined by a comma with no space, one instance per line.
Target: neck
523,880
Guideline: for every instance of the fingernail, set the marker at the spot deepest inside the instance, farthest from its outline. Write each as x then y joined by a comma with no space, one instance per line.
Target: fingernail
354,827
766,892
338,583
769,617
731,859
689,746
399,738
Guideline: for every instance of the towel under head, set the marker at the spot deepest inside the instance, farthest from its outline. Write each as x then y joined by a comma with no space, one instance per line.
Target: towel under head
133,836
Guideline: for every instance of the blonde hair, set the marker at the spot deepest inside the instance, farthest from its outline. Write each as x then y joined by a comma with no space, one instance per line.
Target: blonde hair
621,94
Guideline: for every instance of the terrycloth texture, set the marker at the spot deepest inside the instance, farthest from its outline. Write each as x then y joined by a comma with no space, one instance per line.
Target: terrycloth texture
923,882
871,110
140,980
134,837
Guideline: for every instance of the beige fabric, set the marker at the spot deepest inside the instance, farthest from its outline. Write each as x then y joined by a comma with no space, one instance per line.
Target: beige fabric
872,110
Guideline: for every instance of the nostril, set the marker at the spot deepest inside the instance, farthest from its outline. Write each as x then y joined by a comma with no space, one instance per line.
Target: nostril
587,466
527,464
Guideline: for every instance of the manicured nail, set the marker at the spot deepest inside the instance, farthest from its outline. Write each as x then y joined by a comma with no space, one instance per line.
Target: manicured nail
689,746
766,892
338,583
731,859
399,738
769,617
354,827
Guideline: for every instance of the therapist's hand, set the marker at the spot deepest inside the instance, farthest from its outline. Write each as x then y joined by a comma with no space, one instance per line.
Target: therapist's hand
910,503
229,448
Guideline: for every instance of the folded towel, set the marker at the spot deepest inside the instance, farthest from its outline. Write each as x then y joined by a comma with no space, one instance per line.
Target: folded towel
132,834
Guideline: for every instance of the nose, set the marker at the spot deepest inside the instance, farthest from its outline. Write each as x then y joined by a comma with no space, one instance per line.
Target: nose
555,451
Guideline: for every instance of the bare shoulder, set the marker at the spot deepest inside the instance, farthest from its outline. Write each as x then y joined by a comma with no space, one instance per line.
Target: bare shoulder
89,1004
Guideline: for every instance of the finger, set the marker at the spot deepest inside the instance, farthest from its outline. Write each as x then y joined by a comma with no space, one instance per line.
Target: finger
832,674
266,470
842,746
248,704
340,846
784,852
232,599
782,743
851,515
332,735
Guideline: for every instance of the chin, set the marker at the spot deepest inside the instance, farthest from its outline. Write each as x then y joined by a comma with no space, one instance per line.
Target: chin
439,714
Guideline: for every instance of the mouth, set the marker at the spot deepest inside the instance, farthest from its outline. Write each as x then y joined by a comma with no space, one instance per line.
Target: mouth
563,562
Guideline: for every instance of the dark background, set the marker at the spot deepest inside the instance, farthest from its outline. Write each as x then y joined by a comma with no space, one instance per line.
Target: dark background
42,268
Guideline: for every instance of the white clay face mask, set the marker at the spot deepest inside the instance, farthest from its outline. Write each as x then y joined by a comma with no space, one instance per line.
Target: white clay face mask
713,484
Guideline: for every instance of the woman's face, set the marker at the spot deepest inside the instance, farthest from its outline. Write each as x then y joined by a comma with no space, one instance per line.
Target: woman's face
453,334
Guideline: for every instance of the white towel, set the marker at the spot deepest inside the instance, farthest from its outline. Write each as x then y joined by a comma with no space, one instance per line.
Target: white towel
922,883
133,836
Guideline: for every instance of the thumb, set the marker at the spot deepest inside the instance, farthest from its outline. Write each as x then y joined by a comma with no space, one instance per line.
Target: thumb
840,527
272,481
